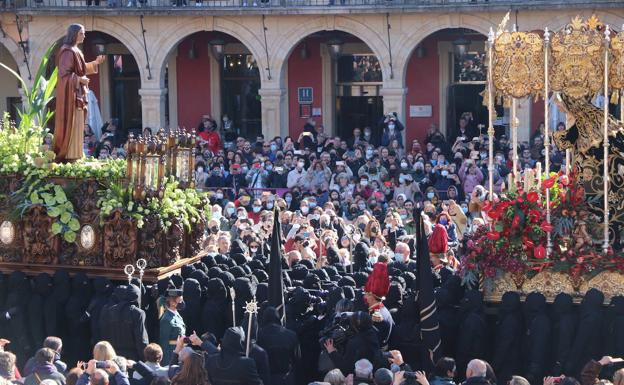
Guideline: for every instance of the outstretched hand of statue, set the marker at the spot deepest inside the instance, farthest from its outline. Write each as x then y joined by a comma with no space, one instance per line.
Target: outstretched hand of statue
100,59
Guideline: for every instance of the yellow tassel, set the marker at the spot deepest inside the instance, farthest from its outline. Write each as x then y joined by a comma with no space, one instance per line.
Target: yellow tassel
615,96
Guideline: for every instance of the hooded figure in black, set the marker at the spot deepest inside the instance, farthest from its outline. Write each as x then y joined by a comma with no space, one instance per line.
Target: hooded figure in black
537,341
78,318
230,366
128,324
281,345
16,315
193,306
360,258
509,333
256,352
4,291
214,314
564,328
448,321
245,292
304,322
42,290
615,328
471,341
405,335
363,344
54,310
587,342
103,290
105,323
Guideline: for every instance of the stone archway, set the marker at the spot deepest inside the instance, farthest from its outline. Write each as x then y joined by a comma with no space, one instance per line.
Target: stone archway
124,32
368,34
174,34
10,93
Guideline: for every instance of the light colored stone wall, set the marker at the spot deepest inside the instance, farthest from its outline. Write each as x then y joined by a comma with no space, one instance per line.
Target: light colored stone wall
164,32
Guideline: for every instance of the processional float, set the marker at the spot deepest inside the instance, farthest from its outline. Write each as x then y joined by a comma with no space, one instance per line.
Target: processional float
554,253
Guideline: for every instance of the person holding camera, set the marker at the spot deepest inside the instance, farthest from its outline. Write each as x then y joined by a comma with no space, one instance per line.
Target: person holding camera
363,344
99,372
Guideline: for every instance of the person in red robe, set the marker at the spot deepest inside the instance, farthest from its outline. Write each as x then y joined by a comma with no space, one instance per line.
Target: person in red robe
71,95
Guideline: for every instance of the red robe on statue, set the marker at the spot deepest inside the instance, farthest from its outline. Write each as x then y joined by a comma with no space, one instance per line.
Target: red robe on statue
71,103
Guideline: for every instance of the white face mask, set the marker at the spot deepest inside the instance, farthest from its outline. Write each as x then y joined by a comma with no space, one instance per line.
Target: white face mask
398,257
391,127
300,164
305,209
403,165
364,183
216,215
219,196
253,249
269,205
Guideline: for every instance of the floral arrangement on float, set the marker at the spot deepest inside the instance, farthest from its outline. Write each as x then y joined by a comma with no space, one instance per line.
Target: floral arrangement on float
511,250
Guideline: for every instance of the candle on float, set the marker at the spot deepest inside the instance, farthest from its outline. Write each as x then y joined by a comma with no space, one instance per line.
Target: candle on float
568,155
539,174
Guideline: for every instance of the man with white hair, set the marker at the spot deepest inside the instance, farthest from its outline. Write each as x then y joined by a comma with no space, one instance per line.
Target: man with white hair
363,370
476,372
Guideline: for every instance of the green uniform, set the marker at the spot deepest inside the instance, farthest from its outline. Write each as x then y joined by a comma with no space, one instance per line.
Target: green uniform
171,326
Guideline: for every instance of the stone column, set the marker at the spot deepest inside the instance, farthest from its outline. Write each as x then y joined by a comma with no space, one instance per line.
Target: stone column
153,107
274,112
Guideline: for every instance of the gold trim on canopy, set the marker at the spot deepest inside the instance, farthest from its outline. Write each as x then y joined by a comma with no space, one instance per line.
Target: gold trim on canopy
578,59
519,63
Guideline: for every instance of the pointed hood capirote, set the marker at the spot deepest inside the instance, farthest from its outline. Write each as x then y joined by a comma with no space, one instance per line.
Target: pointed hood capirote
378,282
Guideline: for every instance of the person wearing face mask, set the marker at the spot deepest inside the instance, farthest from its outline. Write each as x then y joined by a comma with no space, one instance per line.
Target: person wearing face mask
391,130
217,215
171,322
254,214
236,179
291,204
257,177
406,187
216,178
297,176
362,188
431,195
369,137
278,176
401,259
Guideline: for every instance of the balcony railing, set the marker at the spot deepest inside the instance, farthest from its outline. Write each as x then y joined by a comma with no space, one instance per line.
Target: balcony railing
172,5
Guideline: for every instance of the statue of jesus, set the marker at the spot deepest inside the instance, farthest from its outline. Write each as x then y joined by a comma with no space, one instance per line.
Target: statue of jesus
71,95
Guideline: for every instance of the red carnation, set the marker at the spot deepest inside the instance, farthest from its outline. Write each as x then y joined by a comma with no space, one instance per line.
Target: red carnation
547,227
532,197
494,214
515,222
549,182
539,252
493,235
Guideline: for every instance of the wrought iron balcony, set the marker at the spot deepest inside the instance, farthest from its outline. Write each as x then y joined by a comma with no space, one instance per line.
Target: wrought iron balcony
286,6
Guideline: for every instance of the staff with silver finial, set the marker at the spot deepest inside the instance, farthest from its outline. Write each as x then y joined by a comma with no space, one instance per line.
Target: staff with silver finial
129,270
141,264
233,296
251,308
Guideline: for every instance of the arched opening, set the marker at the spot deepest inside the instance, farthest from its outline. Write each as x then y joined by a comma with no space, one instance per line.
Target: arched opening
213,74
115,87
335,79
445,77
10,99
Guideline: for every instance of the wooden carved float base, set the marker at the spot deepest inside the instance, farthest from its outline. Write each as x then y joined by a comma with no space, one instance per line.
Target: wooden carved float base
115,274
552,283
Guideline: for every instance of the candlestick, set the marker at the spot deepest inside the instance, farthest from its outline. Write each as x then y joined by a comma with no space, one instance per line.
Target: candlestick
514,135
538,173
605,143
491,112
547,138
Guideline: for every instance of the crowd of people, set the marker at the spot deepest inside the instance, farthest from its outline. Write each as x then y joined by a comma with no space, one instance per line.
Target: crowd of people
348,212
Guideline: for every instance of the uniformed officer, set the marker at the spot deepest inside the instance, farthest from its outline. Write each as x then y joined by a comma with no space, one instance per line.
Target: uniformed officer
171,323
